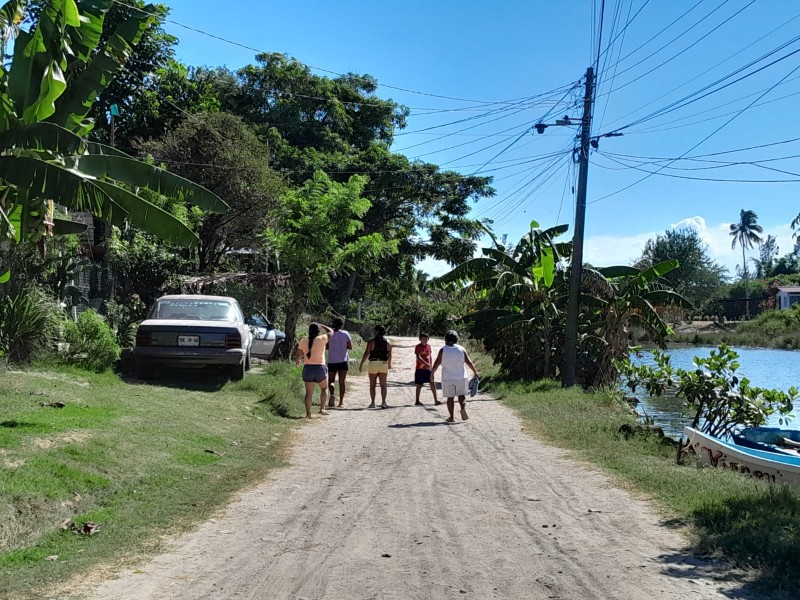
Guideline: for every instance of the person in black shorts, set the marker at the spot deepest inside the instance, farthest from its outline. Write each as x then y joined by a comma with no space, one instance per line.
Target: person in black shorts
423,375
339,346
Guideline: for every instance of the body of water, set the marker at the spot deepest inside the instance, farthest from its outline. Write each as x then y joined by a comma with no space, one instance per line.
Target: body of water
764,367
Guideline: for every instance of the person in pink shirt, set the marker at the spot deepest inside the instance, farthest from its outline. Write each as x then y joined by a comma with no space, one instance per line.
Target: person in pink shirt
338,359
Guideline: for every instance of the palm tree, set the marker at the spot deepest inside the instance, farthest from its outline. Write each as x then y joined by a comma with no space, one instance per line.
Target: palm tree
745,233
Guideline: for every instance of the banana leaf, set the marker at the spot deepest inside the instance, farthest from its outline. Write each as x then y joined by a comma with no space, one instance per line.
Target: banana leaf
40,136
83,91
139,174
149,217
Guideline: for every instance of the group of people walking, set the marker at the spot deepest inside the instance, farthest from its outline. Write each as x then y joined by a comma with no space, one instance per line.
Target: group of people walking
317,372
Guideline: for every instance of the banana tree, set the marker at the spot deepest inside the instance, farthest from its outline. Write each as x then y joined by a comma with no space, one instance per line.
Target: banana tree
520,295
615,298
46,93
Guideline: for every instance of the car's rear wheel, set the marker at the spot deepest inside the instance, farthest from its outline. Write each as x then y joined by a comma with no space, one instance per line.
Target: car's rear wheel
237,371
144,370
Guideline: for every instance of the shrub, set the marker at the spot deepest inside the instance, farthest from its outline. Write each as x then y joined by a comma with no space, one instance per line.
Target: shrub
30,324
93,344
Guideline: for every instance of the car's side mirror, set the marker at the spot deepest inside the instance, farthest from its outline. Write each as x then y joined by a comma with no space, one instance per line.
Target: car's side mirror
270,325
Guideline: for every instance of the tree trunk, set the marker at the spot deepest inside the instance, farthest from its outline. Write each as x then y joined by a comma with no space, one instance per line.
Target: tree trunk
344,288
293,312
746,287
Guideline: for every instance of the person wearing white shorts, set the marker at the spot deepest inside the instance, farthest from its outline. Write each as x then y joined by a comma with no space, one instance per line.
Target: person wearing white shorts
454,362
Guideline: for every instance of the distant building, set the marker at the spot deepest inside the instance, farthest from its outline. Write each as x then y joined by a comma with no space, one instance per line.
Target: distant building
787,296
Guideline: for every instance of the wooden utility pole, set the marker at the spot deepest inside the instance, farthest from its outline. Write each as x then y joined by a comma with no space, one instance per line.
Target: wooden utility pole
573,306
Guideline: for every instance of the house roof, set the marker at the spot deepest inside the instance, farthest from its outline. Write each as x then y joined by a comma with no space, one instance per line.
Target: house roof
789,289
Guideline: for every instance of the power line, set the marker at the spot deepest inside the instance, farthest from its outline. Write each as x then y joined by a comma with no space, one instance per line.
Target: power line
688,81
689,47
260,51
709,136
662,126
676,176
629,20
695,97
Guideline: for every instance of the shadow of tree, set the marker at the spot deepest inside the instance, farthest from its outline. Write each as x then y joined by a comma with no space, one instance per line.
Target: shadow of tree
761,529
420,424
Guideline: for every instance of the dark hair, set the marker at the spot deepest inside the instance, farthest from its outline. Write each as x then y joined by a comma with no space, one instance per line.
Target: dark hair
380,331
423,334
450,338
313,331
337,324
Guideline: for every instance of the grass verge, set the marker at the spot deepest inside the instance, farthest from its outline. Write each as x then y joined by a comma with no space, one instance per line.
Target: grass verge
140,460
749,522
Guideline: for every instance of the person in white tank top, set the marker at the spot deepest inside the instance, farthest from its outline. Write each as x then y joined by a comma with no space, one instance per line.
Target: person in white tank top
454,362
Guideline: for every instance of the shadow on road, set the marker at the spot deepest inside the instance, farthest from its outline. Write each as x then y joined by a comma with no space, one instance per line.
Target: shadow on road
420,424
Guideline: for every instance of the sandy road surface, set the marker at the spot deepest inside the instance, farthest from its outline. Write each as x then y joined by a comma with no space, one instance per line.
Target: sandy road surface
397,504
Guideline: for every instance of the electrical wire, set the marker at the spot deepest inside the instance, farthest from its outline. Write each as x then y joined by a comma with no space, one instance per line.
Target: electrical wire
689,47
706,138
720,63
714,179
698,95
260,51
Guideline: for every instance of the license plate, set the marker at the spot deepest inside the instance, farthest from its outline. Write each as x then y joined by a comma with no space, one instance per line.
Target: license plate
188,340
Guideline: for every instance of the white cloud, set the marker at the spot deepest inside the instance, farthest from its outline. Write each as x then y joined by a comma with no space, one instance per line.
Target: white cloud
608,250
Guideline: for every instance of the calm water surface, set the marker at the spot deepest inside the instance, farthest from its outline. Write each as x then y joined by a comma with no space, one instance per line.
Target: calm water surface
768,368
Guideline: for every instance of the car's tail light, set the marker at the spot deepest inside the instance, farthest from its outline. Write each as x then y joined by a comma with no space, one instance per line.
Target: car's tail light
233,340
144,338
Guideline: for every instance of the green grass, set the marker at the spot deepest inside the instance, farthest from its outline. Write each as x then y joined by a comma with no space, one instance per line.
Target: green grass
142,460
747,521
755,339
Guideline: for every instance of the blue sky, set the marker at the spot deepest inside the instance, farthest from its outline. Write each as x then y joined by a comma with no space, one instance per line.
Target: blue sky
504,51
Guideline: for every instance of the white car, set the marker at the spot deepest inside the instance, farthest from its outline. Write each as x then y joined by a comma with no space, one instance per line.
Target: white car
268,340
192,331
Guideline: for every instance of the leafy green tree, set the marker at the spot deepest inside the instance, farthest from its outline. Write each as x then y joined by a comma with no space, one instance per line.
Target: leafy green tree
767,253
46,97
222,153
317,237
340,126
697,277
746,234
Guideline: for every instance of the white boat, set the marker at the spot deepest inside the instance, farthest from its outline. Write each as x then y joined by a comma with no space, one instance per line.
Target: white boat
770,466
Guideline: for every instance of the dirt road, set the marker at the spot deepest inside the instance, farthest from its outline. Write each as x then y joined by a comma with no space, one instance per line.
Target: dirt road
397,504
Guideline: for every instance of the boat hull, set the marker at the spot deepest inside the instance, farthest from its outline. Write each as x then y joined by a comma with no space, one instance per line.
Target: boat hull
768,466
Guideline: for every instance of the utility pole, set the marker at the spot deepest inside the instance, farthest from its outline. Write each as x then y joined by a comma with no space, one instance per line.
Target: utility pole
573,306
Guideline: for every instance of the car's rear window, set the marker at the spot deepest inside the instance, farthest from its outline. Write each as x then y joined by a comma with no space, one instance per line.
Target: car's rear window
201,310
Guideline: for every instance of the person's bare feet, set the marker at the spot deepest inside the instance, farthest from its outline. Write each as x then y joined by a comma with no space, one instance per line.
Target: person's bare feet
324,413
464,415
418,403
437,403
384,405
340,404
308,416
450,420
371,405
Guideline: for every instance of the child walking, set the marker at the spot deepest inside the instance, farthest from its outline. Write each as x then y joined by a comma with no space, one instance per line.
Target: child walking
423,374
